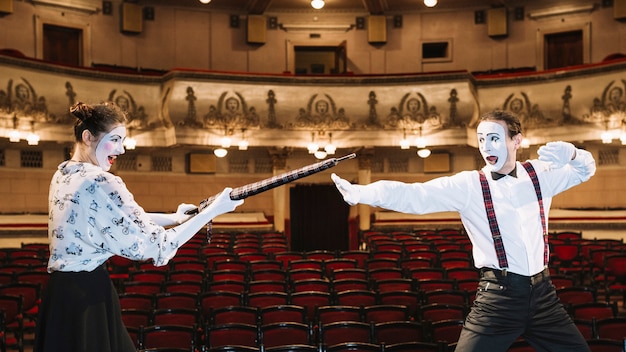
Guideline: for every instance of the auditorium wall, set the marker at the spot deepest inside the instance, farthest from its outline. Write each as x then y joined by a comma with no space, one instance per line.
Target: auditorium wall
180,37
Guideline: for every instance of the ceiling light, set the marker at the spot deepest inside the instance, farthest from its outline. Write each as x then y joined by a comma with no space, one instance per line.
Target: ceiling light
205,1
430,3
220,152
320,154
423,153
317,4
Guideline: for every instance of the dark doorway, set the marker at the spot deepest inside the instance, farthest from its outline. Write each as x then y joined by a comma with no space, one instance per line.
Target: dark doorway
563,49
319,218
62,45
321,59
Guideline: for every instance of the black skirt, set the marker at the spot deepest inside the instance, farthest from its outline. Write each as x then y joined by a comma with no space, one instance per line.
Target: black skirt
80,312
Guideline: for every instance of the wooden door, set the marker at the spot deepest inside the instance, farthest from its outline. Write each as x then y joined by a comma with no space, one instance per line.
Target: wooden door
62,45
563,49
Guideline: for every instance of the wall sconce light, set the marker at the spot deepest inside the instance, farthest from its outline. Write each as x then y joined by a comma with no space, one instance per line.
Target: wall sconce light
607,137
224,144
330,148
14,135
317,4
130,143
243,143
33,137
312,147
420,143
430,3
404,142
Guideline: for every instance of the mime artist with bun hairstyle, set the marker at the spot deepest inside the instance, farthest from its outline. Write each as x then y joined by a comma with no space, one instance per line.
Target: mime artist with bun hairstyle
92,217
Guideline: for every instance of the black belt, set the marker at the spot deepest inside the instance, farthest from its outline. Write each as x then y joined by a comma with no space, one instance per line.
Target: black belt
504,274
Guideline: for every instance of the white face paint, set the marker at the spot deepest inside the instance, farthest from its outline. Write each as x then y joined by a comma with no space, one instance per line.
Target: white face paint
110,146
492,144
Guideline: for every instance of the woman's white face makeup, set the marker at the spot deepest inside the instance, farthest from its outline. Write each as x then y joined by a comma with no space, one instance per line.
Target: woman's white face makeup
110,146
492,144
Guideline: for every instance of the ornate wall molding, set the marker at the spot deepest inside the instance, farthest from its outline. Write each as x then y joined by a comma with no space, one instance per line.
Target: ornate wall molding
183,107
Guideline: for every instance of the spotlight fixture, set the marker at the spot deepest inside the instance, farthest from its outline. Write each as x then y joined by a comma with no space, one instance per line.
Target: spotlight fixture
430,3
317,4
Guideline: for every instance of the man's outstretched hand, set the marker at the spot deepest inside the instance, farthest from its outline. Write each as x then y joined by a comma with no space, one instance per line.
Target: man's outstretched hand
350,192
557,154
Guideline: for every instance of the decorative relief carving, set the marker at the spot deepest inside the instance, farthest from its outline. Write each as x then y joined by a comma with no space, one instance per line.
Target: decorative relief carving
322,114
609,111
22,100
412,113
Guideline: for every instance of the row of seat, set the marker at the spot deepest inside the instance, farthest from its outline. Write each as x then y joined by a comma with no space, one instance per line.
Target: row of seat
326,335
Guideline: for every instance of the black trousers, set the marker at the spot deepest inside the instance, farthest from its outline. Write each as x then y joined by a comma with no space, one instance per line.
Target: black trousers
508,306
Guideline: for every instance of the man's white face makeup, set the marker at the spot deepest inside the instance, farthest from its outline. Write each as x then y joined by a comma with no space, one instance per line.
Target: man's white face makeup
110,146
492,144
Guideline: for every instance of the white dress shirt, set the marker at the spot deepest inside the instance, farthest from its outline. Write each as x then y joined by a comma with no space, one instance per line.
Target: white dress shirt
514,201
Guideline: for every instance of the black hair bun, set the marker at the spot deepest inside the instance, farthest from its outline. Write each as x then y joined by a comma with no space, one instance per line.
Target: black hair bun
82,111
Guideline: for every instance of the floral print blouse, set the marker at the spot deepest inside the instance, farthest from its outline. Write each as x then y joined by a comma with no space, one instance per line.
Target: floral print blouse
92,216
